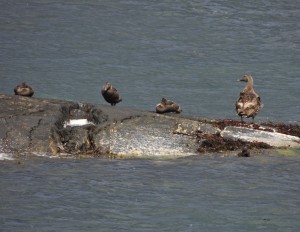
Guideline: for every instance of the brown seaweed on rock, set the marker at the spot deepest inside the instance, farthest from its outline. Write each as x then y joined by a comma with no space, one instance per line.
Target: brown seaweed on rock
216,143
288,129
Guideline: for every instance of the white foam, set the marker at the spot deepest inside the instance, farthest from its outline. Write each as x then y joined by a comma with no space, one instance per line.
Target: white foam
5,156
51,156
41,154
77,122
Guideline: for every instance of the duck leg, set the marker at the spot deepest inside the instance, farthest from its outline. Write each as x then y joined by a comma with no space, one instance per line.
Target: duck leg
242,121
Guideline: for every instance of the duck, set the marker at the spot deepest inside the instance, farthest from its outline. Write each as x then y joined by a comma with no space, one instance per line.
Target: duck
244,153
110,94
24,90
249,102
166,106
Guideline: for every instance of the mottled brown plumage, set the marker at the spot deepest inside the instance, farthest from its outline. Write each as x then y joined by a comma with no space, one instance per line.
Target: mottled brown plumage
110,94
248,103
166,106
24,90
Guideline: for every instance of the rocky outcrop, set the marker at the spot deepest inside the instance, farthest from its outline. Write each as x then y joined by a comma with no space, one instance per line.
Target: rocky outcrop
31,125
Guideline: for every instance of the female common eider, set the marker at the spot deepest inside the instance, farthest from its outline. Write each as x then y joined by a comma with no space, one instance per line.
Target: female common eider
249,102
23,90
166,106
110,94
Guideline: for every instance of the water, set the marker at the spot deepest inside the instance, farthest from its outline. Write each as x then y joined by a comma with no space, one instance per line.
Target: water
194,194
191,52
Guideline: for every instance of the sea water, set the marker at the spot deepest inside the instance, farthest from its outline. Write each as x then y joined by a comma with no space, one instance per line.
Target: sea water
191,52
193,194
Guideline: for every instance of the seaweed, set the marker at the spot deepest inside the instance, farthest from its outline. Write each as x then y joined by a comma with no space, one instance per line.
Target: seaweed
216,143
289,129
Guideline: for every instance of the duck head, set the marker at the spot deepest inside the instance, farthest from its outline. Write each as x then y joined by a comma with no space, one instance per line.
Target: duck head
245,78
107,86
163,101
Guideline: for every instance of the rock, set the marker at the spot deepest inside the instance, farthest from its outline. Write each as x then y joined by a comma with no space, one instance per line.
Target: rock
252,135
26,122
32,125
146,136
55,126
191,127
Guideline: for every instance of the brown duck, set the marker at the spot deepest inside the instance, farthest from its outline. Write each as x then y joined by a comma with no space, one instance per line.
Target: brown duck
249,102
24,90
166,106
244,153
110,94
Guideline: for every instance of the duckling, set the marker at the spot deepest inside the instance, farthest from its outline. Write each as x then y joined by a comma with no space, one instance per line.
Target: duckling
24,90
110,94
248,103
244,153
166,106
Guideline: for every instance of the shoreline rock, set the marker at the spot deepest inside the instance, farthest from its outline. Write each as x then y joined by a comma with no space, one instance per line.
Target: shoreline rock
56,126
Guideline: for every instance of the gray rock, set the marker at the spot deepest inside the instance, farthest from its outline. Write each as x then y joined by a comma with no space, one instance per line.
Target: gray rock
40,125
251,135
31,125
147,135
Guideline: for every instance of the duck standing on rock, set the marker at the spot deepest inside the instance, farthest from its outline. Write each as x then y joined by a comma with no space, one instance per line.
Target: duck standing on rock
166,106
110,94
249,102
23,90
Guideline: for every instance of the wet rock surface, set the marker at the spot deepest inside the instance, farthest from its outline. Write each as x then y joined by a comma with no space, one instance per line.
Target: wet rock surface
235,135
54,126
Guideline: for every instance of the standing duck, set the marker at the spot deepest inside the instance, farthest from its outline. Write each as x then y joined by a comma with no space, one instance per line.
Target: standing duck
249,102
110,94
166,106
23,90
